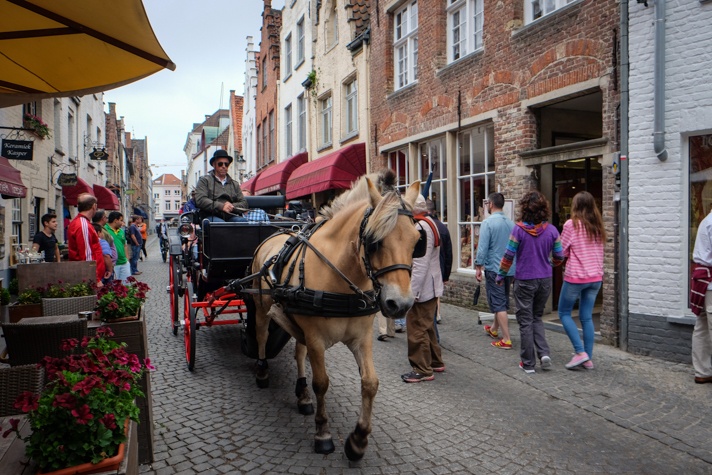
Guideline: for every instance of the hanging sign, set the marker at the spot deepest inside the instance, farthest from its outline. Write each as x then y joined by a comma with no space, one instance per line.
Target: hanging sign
67,179
99,155
17,149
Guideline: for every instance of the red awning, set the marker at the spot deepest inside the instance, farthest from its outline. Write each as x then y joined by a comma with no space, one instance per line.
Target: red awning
275,177
249,185
72,192
107,199
334,171
11,180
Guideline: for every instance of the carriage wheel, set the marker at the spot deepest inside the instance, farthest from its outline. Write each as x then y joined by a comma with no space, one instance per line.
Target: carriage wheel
174,289
189,327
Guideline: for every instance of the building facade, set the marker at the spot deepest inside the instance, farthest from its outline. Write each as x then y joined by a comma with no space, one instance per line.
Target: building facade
499,96
249,137
167,196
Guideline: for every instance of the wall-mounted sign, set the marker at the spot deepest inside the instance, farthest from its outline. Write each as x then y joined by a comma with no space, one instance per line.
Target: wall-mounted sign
99,155
67,179
17,149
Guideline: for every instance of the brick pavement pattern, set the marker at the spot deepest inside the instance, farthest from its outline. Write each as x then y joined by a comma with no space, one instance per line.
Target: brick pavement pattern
632,414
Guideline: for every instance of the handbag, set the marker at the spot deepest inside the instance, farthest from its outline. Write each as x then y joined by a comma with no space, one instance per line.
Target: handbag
476,295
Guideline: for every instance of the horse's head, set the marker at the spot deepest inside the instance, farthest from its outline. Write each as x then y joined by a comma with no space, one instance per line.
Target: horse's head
389,237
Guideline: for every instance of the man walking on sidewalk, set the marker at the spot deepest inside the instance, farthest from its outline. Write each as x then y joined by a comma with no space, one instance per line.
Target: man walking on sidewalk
701,302
494,236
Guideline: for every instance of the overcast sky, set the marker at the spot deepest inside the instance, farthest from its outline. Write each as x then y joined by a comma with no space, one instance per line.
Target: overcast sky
206,40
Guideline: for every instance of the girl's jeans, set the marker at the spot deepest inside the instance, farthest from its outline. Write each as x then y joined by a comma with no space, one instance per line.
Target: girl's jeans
586,294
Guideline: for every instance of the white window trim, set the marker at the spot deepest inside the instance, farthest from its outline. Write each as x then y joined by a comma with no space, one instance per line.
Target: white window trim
351,108
406,73
326,119
301,42
530,6
470,39
302,122
288,130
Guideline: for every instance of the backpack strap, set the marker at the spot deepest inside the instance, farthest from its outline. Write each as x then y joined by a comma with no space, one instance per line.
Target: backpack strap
436,234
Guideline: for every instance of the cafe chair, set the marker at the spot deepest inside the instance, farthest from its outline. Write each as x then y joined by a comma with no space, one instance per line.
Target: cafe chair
15,381
29,343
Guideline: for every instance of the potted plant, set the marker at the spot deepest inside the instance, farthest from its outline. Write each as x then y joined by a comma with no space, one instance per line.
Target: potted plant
67,299
4,302
37,125
81,417
28,304
117,302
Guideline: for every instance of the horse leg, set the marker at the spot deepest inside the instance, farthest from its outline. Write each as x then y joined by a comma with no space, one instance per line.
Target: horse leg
356,444
304,402
323,444
261,334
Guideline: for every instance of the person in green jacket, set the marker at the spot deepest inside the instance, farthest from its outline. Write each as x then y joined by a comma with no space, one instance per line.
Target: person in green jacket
115,228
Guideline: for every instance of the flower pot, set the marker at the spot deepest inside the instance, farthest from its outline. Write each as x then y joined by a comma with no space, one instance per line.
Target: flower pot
17,312
106,465
68,305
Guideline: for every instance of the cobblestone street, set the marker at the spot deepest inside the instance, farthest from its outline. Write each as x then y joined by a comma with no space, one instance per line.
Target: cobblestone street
631,414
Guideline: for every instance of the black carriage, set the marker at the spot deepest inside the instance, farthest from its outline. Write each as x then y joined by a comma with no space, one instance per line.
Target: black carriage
204,257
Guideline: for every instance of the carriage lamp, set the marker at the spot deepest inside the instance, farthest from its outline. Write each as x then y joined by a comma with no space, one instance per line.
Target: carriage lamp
185,230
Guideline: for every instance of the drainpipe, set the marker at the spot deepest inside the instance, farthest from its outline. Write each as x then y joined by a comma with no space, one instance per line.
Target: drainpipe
659,133
622,280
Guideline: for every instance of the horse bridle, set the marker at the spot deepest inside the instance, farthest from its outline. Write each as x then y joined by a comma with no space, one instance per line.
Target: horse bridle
370,247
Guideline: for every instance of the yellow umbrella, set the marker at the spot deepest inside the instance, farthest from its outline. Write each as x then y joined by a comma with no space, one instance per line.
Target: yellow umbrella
51,48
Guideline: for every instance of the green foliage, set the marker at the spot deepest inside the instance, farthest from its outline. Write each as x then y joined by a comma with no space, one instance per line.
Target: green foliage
4,296
29,296
14,286
80,415
61,290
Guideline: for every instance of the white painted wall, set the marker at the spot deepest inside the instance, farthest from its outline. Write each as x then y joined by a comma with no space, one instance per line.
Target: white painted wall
659,201
249,139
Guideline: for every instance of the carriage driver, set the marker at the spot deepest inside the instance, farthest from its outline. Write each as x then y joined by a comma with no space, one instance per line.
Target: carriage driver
218,196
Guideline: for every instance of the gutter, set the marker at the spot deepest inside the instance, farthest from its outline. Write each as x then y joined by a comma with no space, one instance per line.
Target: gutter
622,274
659,121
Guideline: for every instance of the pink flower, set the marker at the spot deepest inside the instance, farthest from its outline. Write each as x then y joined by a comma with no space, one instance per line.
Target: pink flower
27,402
149,366
109,421
69,344
83,414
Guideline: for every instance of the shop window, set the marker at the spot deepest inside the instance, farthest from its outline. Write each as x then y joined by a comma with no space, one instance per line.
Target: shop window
398,162
700,184
475,181
431,157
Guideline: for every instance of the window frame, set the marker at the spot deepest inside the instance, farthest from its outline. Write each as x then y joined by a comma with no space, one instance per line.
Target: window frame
301,39
326,120
302,122
351,107
471,13
288,130
271,136
405,45
288,56
529,9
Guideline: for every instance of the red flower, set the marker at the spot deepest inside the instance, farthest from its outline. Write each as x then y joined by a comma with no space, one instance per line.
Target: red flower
109,421
104,332
69,344
27,402
66,401
148,364
13,427
85,386
82,414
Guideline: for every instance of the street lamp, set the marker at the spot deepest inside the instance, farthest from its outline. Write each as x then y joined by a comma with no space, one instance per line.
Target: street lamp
241,165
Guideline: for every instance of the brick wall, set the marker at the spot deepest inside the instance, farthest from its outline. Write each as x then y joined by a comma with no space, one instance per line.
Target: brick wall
267,100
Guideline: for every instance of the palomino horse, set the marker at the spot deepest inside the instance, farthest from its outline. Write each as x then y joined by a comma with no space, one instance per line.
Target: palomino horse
366,244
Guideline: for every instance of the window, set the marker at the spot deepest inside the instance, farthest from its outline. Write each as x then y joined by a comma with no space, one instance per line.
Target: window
57,122
351,107
326,117
535,9
259,146
265,144
271,136
16,235
288,129
475,182
465,21
302,122
264,73
156,196
288,55
71,133
432,158
168,205
300,41
700,185
331,27
398,162
405,44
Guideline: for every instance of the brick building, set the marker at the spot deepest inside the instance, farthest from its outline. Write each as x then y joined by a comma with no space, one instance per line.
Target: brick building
498,96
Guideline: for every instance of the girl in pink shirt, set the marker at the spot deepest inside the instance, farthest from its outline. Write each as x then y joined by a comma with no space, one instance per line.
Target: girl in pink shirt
582,240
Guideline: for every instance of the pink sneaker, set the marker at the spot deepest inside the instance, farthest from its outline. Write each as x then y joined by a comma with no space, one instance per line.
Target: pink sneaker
577,360
588,364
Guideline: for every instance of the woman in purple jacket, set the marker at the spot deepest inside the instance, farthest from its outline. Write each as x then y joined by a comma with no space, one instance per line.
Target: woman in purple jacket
537,246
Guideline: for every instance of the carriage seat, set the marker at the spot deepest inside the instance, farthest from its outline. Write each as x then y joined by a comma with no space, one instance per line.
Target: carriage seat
228,247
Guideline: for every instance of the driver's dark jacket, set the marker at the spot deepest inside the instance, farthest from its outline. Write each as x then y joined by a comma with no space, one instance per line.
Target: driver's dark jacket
211,196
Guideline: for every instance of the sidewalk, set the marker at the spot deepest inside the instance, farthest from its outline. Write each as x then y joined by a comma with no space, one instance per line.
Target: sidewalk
652,397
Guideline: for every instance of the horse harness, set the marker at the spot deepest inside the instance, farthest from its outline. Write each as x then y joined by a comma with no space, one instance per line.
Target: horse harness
304,301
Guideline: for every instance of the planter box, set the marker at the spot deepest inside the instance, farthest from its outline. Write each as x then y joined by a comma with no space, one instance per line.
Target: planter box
68,305
133,333
18,312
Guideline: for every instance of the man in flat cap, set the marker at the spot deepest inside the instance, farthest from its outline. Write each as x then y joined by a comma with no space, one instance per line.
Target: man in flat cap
218,196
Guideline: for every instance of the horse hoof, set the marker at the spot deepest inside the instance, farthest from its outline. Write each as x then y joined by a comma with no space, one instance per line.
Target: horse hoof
306,409
323,446
262,383
351,453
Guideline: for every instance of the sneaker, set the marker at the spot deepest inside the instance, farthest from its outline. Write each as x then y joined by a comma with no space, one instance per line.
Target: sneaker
399,329
439,369
505,345
545,363
439,319
492,333
528,371
414,377
577,360
588,364
382,337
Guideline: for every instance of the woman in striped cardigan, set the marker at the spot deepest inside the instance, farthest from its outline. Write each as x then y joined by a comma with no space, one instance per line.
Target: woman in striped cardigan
582,239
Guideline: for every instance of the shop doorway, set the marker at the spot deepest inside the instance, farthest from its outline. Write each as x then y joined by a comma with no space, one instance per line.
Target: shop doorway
569,178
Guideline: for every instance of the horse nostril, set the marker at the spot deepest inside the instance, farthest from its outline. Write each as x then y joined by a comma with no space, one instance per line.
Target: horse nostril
392,306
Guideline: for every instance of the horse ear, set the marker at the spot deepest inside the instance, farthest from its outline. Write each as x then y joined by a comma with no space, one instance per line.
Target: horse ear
412,193
375,195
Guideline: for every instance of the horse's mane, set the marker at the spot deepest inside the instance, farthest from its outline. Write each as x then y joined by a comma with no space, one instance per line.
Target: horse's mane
384,217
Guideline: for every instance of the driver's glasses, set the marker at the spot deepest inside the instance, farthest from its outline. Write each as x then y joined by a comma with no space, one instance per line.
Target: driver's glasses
222,164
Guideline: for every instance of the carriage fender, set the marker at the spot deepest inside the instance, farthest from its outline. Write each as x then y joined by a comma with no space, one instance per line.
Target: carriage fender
276,313
174,245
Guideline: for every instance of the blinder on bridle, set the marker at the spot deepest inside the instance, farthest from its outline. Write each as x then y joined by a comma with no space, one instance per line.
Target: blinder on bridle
419,251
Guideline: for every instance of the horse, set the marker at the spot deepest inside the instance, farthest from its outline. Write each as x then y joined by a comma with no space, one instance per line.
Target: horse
357,260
